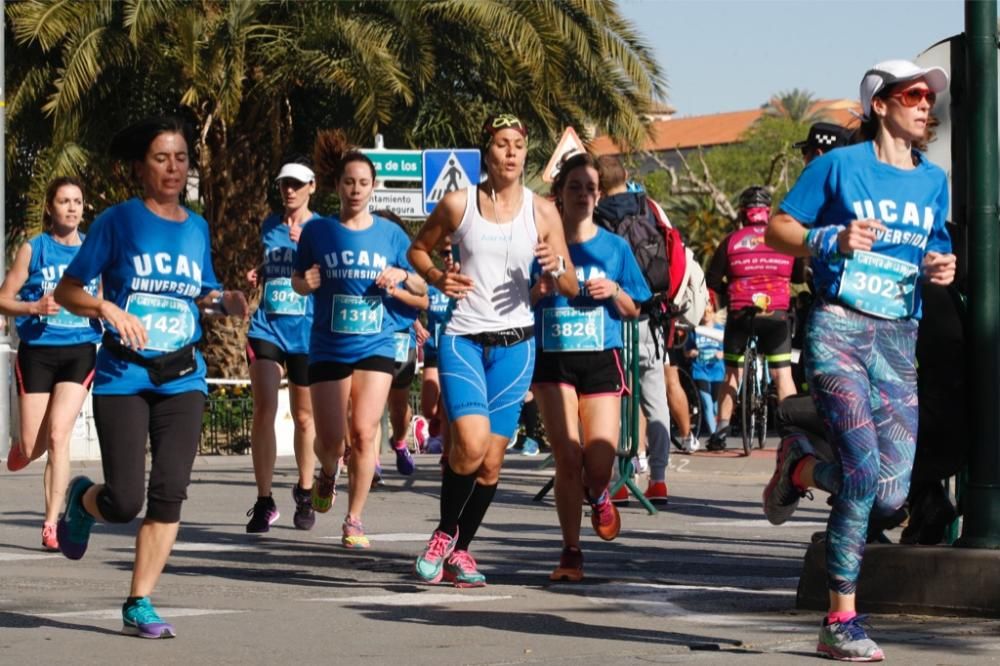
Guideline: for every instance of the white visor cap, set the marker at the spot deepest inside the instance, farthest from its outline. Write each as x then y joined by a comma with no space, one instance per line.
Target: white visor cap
295,171
890,72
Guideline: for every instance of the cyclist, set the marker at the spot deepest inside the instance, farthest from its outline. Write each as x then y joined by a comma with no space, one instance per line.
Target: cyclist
861,339
745,273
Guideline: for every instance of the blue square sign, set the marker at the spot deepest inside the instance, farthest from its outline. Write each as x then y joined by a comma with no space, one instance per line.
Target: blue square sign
447,170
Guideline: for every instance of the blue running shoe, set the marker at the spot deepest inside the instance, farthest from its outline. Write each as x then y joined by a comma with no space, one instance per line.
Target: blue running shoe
404,459
139,618
848,641
530,447
73,528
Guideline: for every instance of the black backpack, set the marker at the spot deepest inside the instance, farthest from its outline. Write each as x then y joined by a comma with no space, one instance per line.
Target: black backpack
648,245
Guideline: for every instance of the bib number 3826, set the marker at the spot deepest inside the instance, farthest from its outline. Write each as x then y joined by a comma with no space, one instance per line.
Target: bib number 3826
572,329
357,315
878,285
168,321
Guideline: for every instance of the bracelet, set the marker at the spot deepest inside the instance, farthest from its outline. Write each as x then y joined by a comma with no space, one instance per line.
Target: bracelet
618,290
823,244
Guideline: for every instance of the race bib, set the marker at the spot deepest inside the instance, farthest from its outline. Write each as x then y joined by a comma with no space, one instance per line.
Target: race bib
402,343
168,321
572,329
878,285
281,299
357,315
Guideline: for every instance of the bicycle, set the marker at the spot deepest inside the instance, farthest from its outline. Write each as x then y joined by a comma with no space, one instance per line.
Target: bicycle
753,390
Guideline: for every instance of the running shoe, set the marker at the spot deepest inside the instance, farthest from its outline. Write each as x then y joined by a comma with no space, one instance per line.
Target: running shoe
620,498
656,492
781,497
73,528
640,464
263,514
429,567
460,570
421,432
404,459
305,515
717,442
354,534
530,447
16,460
324,491
50,542
434,445
139,618
570,567
690,444
604,517
848,641
377,476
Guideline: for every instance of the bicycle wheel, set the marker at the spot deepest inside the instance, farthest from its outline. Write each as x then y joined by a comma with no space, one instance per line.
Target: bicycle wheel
761,400
748,411
694,400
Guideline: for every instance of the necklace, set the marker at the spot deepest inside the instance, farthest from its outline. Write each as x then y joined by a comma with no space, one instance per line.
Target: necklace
500,224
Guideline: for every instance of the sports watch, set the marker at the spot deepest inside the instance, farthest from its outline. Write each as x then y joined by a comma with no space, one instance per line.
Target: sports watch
558,272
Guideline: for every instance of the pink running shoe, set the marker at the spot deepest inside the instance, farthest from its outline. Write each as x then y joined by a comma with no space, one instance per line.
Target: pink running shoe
50,542
16,460
421,432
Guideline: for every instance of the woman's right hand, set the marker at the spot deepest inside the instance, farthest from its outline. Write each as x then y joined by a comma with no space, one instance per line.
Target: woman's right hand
130,329
312,277
453,284
44,306
858,235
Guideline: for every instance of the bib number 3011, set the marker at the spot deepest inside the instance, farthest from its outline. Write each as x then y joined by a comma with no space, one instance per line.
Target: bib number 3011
878,285
168,321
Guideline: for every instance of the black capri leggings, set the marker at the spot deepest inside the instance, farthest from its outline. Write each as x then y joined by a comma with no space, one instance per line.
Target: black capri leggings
172,423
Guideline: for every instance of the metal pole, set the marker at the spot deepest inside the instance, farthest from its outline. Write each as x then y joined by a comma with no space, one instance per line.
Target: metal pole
4,334
981,500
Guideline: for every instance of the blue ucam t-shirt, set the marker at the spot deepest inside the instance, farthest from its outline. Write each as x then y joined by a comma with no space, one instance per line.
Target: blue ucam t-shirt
437,315
350,321
584,323
49,260
283,317
155,269
852,184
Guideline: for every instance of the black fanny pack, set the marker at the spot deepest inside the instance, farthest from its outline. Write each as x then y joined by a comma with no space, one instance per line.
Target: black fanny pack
161,369
505,338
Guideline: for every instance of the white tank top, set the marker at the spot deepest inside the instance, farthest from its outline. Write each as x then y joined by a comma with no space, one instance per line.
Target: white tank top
498,259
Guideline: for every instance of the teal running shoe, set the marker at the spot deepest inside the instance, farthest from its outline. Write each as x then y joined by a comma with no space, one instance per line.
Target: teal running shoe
139,618
429,567
73,528
460,570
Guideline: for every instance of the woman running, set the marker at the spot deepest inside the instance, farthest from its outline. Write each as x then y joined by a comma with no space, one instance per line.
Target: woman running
431,408
872,216
354,263
55,357
487,350
154,259
277,343
578,379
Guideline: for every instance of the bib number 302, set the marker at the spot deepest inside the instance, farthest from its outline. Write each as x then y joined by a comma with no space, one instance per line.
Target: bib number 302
878,285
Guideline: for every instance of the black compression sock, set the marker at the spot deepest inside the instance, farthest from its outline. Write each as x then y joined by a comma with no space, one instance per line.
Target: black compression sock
473,514
455,492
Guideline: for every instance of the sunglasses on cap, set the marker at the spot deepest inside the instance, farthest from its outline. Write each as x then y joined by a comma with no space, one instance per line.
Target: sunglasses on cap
913,96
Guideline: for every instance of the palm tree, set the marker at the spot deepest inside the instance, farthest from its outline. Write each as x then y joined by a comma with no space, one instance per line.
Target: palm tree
259,77
796,105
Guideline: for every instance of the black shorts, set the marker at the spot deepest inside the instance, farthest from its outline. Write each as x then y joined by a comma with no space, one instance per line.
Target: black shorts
296,365
41,367
590,373
402,373
334,371
774,339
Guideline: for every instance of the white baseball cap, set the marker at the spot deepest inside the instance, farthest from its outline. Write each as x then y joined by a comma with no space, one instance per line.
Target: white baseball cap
296,171
885,74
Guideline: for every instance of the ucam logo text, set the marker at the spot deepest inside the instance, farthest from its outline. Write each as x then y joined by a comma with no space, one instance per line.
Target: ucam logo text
166,264
352,258
887,211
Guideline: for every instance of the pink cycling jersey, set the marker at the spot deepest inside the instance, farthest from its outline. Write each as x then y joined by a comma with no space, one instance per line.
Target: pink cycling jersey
756,274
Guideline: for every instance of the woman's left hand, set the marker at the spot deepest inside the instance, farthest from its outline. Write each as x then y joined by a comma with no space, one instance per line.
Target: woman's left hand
939,268
235,304
390,278
546,257
601,288
422,333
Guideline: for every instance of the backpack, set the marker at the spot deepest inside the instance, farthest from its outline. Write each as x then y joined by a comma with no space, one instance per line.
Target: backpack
648,243
689,295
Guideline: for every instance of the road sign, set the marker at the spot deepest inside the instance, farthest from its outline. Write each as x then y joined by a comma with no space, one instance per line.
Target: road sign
447,170
569,145
405,203
396,164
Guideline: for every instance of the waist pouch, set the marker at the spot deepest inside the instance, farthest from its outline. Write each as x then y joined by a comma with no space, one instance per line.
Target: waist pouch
505,338
161,369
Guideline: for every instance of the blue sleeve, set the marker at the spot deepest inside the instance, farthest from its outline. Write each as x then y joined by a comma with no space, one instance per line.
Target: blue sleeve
807,197
631,278
97,250
939,239
303,253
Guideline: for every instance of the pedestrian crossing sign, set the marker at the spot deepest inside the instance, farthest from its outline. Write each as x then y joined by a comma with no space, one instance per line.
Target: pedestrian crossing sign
447,170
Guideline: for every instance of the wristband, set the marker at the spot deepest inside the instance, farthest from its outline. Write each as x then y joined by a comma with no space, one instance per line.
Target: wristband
618,290
823,244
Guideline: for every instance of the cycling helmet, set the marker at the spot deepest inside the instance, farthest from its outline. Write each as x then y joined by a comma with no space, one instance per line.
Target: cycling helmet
755,196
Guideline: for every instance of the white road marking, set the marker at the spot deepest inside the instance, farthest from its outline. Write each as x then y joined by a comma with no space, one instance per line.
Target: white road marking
387,538
746,523
17,557
415,599
116,613
196,547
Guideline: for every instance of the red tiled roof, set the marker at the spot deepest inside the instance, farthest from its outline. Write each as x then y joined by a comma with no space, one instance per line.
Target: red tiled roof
715,129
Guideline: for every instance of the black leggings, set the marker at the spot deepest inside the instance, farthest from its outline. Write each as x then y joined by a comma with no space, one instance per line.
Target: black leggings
172,424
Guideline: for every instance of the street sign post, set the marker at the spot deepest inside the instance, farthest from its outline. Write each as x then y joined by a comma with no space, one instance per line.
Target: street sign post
447,170
405,203
396,164
568,146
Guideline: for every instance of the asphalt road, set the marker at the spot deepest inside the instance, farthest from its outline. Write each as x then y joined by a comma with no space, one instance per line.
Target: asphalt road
705,581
